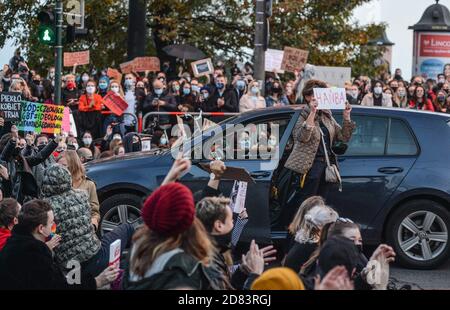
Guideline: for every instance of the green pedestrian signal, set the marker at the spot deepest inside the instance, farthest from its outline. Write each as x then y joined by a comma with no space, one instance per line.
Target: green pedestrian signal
47,33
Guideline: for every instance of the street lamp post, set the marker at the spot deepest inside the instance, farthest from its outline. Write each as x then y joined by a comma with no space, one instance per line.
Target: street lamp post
259,53
58,50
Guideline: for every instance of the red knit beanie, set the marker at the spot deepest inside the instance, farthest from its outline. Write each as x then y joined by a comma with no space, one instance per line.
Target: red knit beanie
169,210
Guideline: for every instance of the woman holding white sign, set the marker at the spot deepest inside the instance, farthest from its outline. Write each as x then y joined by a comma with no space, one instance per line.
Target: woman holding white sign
313,160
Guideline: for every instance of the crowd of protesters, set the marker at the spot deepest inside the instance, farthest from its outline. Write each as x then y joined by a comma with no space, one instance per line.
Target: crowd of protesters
50,212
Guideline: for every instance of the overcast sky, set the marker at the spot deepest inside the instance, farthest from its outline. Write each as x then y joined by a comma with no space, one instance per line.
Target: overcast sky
398,14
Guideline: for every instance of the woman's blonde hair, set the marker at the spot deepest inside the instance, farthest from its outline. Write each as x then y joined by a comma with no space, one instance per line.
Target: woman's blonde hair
150,245
74,165
307,205
121,93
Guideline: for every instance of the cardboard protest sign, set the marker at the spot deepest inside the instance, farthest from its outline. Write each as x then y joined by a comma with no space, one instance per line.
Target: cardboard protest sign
294,59
68,124
10,106
115,103
274,58
76,58
114,254
237,197
126,67
41,118
202,67
142,64
114,74
330,98
334,76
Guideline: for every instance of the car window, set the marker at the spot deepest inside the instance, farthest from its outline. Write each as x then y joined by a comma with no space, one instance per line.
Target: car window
401,140
369,137
248,141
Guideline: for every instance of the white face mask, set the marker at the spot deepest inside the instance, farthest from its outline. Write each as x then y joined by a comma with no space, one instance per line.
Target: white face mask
90,90
378,90
85,78
117,137
87,141
75,145
115,89
163,141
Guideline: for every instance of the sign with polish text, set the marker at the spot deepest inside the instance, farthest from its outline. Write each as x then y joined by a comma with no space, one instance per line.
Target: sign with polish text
330,98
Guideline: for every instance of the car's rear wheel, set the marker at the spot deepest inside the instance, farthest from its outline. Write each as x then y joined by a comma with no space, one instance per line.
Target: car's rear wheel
419,232
119,209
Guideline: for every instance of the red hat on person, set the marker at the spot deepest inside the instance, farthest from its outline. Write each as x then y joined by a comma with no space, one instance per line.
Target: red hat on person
170,210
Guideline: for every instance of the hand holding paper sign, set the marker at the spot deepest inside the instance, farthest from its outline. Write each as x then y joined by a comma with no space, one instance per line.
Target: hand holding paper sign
330,98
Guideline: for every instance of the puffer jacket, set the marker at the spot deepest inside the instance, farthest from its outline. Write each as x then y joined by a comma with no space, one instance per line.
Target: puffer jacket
307,140
72,216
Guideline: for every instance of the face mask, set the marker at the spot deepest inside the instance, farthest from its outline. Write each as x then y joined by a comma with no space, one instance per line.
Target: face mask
223,241
220,85
394,89
354,94
129,83
103,86
115,89
85,78
195,88
36,82
163,141
276,90
359,247
90,90
378,90
205,95
186,91
176,88
255,90
117,137
402,94
136,147
71,85
240,85
41,146
76,146
158,91
441,81
441,99
51,75
87,141
272,142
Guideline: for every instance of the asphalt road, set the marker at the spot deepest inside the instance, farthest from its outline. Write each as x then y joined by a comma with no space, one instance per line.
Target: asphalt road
426,279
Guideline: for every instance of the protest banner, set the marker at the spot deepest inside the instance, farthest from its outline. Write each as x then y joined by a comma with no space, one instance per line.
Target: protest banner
115,103
68,124
114,74
330,98
114,254
334,76
126,67
294,59
237,197
76,58
202,67
10,105
142,64
274,58
41,118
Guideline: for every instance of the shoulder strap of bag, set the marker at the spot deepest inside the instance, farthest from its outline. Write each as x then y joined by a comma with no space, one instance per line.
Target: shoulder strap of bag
324,147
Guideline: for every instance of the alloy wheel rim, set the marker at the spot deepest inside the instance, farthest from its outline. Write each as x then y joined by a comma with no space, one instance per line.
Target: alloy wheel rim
118,215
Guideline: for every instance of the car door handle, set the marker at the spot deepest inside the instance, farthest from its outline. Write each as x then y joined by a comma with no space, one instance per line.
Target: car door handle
260,174
390,170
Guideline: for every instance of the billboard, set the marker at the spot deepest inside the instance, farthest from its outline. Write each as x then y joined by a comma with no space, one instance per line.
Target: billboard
431,53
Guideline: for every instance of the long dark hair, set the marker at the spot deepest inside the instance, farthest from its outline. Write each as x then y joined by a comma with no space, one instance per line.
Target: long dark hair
424,98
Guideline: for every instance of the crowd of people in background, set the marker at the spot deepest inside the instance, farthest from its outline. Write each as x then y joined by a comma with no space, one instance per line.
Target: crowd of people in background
50,212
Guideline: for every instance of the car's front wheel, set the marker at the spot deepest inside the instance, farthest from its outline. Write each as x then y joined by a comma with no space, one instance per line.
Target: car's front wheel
419,232
119,209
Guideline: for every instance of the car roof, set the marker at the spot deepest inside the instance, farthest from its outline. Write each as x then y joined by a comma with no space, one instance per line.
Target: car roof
355,109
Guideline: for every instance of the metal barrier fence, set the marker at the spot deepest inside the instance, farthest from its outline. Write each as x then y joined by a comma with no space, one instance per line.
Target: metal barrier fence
213,114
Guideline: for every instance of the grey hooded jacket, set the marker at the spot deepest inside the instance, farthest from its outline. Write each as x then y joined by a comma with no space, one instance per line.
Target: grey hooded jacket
72,216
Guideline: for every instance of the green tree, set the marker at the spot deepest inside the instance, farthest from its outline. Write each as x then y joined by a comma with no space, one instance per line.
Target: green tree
219,28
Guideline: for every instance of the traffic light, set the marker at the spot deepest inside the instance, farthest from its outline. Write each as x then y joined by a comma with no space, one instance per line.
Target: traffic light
46,32
72,32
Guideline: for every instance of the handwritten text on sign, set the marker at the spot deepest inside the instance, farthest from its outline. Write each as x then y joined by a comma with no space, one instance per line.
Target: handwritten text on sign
330,98
41,118
76,58
10,106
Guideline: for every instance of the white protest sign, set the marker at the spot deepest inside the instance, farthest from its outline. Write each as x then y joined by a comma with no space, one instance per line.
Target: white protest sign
274,58
334,76
238,195
114,253
330,98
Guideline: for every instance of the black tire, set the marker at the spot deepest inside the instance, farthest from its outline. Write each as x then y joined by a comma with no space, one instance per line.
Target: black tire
416,210
109,208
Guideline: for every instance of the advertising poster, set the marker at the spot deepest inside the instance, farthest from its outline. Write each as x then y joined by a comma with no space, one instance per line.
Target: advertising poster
432,53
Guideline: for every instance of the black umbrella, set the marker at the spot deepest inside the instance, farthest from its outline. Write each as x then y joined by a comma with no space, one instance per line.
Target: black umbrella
184,51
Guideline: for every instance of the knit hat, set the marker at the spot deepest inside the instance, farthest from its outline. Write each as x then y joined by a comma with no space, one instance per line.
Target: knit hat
169,210
278,279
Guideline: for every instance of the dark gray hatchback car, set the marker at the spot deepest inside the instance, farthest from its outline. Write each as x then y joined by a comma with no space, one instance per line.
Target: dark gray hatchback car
396,181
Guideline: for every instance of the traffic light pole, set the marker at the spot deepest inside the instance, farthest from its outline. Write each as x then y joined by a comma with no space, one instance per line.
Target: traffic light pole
259,53
58,50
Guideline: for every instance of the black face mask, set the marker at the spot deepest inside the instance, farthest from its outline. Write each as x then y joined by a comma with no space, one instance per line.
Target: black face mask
223,241
398,77
360,248
41,147
276,90
136,147
394,89
17,151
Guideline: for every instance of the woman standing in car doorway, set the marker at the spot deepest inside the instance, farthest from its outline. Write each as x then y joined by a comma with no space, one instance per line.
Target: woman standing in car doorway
308,158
